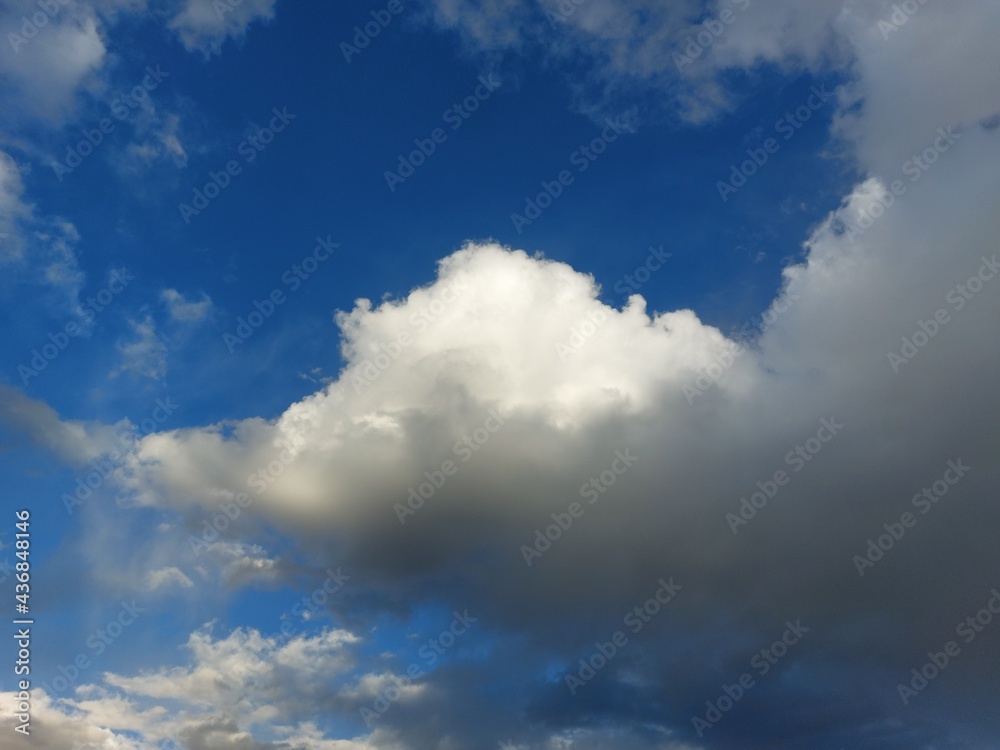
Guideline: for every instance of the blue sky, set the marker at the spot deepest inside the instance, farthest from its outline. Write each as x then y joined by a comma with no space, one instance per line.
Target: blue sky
327,178
794,225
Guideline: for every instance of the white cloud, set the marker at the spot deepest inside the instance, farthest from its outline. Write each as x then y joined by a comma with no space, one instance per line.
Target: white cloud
683,48
157,140
635,45
184,310
930,73
57,726
146,355
170,140
167,577
75,442
238,562
101,719
41,249
204,25
367,687
53,68
476,344
13,209
256,683
49,70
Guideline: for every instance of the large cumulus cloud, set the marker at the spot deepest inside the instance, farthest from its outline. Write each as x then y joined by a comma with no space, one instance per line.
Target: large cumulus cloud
574,381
